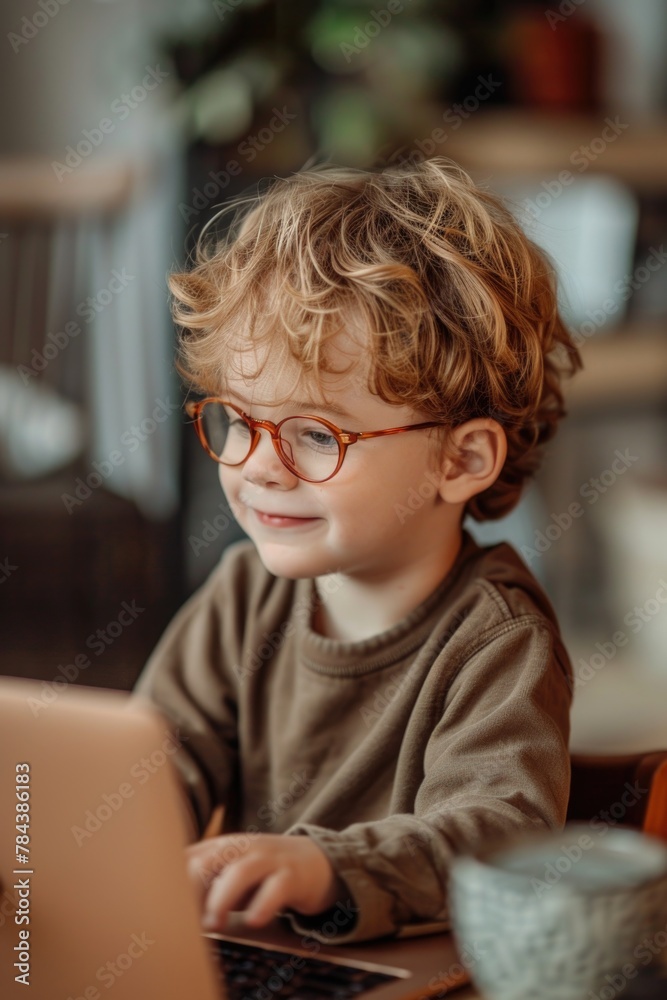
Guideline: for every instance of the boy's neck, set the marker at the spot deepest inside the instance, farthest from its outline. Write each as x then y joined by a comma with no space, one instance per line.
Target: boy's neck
362,609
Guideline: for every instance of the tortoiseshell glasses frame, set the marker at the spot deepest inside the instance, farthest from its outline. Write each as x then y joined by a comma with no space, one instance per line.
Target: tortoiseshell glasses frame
344,438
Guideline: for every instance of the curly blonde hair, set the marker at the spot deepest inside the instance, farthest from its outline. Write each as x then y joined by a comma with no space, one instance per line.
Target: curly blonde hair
460,306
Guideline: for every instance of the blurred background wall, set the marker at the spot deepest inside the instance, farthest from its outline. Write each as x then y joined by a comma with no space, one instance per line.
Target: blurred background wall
125,125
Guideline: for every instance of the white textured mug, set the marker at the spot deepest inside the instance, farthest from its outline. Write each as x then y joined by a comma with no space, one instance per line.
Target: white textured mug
573,914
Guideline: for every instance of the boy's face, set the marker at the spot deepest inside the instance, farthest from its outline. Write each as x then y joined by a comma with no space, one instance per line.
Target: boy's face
381,511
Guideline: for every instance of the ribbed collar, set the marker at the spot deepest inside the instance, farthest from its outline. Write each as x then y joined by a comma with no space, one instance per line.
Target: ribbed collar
352,659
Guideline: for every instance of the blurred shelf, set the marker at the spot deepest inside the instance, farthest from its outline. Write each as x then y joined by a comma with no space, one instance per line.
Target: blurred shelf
31,190
516,142
625,367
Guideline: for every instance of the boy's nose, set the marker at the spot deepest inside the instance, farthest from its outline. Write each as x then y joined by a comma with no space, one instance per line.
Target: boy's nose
264,465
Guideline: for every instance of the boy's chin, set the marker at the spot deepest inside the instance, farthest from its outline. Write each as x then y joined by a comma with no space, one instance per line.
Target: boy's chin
293,565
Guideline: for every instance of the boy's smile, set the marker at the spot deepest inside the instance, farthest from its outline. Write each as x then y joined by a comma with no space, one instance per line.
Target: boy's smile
282,521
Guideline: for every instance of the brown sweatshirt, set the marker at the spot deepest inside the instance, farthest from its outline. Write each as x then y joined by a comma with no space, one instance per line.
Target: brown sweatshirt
393,753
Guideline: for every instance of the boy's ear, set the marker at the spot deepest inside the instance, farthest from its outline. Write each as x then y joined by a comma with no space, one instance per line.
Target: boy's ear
475,455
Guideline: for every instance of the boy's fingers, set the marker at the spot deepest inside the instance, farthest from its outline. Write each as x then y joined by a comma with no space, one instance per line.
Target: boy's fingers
232,889
205,860
203,863
272,896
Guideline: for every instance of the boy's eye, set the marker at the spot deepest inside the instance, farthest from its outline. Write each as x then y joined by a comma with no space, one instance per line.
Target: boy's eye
320,439
238,426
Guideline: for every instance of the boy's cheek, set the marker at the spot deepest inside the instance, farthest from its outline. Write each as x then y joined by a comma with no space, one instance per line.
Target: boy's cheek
226,480
223,475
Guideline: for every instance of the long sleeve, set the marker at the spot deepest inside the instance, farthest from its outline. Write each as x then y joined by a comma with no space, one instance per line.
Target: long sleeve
190,679
496,763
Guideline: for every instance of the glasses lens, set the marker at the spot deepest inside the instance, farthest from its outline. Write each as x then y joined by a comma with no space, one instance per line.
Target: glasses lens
310,446
307,443
227,434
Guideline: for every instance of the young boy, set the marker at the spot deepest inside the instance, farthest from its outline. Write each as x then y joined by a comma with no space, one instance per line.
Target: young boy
364,688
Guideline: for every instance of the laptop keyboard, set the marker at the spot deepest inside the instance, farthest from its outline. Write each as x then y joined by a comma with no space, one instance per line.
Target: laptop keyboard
251,972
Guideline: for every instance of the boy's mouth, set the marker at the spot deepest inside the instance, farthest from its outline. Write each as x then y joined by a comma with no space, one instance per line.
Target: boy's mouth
282,520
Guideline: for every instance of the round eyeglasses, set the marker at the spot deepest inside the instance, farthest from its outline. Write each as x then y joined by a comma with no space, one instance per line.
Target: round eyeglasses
311,447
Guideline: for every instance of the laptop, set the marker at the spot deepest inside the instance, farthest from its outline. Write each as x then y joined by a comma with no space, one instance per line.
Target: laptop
95,899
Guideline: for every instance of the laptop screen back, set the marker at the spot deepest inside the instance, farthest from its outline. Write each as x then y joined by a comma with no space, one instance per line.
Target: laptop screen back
94,893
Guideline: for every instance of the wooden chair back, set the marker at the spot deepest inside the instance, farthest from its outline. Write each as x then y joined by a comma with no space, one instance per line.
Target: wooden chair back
628,789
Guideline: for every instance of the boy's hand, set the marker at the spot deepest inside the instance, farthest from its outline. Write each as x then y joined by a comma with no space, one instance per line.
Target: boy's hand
271,872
